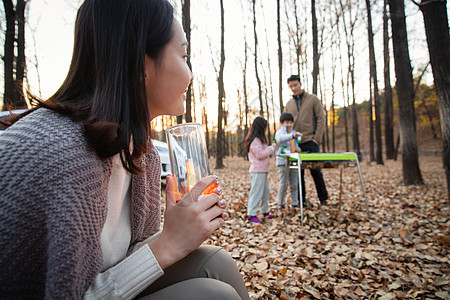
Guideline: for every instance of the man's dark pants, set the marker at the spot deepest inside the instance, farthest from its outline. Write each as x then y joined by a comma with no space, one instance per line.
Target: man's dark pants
322,193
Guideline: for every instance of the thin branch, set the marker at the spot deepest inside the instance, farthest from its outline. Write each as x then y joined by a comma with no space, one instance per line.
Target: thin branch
420,79
425,2
212,55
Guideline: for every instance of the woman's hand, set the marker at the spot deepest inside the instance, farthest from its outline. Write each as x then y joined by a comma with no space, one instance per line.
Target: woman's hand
188,222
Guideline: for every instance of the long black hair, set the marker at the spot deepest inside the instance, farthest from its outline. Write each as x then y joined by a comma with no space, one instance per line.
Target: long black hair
105,88
257,130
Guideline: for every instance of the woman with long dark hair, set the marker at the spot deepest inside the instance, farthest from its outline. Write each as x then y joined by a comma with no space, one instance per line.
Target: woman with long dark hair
259,155
80,177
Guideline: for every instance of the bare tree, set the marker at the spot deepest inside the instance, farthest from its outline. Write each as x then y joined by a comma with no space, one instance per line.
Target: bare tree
388,106
14,54
371,127
315,46
344,87
202,94
350,40
220,132
258,80
269,65
373,76
280,58
244,88
203,102
244,74
186,20
297,37
35,63
333,94
436,28
240,133
405,91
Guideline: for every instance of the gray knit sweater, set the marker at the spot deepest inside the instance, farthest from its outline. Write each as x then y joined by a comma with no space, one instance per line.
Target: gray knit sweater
53,204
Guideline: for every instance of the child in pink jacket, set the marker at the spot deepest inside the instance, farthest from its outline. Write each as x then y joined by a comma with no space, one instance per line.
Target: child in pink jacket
259,155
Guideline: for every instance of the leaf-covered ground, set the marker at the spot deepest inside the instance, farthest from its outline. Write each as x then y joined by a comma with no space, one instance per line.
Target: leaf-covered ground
400,252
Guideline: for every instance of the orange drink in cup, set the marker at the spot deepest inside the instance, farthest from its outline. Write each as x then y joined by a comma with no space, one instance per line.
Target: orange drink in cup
188,156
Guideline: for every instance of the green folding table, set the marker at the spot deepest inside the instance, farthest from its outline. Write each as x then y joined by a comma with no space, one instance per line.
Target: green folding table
320,161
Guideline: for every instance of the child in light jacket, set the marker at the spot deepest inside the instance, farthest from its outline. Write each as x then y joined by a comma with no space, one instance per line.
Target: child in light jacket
259,155
288,143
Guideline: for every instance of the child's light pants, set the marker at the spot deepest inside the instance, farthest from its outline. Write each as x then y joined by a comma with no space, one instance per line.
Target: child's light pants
259,194
292,179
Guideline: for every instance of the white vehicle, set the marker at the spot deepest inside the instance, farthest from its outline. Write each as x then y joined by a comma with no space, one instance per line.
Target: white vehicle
163,150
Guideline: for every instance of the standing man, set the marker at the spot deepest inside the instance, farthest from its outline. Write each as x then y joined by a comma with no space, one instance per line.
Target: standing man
309,119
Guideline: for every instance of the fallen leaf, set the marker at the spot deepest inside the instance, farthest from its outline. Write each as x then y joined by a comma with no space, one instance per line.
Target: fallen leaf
387,296
261,266
311,290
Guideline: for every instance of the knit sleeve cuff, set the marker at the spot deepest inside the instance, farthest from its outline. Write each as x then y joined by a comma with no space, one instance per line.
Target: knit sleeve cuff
128,278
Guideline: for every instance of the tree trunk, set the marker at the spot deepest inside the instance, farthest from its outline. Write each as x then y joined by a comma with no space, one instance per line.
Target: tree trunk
315,46
436,28
269,134
8,57
261,105
280,59
186,19
220,133
246,108
371,139
388,107
405,91
245,89
226,132
297,37
244,83
205,116
14,55
203,102
21,63
341,66
269,64
349,38
239,137
333,91
376,97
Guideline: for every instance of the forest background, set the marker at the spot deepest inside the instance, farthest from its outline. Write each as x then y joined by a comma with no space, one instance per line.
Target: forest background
381,70
242,52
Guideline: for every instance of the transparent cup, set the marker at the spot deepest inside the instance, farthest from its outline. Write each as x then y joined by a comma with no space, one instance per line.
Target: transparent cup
188,157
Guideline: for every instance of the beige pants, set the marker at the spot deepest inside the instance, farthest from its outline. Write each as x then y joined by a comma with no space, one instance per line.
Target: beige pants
207,273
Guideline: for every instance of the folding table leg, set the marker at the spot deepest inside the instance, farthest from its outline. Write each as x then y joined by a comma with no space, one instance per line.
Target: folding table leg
340,190
362,186
299,167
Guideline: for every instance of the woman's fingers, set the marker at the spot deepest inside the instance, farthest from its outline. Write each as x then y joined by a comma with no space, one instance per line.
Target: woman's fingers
172,194
197,190
213,211
190,221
